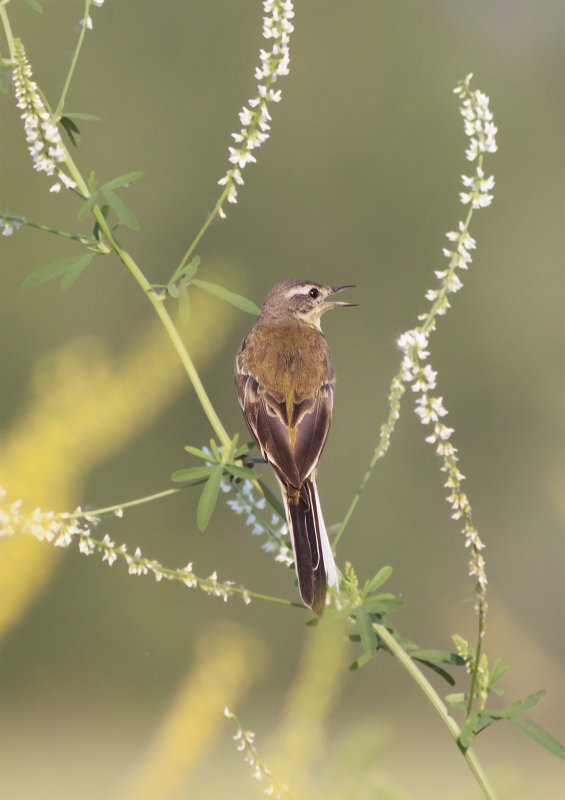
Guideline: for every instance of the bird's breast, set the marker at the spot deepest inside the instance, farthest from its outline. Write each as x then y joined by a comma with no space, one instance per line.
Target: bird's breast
288,362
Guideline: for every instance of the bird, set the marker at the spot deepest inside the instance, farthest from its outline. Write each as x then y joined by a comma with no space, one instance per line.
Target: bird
285,384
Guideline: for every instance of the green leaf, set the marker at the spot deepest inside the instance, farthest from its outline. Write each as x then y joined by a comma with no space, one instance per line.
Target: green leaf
80,115
441,672
360,662
87,206
35,5
239,472
195,451
539,735
191,474
333,615
70,128
73,273
235,299
382,575
208,498
215,451
92,182
55,268
366,632
243,450
122,180
441,656
456,699
184,304
233,447
496,673
190,270
121,210
515,708
468,730
97,230
483,724
381,603
3,81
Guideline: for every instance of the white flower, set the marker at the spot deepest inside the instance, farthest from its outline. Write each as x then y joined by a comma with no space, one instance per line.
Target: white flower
42,135
254,116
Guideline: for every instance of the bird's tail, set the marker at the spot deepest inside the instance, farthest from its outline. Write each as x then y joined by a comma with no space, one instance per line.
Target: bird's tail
315,566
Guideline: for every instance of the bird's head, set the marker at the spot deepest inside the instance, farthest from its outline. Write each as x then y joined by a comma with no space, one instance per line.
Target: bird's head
301,301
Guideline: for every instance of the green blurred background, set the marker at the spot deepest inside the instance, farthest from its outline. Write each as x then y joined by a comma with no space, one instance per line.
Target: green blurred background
359,183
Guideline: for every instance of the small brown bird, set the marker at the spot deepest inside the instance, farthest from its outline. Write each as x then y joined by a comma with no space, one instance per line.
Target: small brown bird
285,383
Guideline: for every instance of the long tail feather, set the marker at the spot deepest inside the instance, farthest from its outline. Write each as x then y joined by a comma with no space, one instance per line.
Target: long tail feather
315,566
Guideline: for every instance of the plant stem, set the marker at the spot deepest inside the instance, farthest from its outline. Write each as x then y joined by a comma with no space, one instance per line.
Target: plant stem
97,512
383,443
438,705
200,234
61,103
157,304
7,27
476,664
87,240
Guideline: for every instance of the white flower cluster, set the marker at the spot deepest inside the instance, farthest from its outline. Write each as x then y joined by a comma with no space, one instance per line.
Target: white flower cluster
255,119
478,119
480,128
431,410
246,503
422,378
246,744
42,135
62,529
58,529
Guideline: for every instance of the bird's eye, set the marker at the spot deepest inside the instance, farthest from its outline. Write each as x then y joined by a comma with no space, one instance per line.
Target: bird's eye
314,293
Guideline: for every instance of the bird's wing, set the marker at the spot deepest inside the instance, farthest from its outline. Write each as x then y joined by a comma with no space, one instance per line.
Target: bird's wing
291,445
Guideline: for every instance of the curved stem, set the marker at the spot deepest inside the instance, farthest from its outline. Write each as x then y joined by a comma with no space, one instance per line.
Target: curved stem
157,304
438,705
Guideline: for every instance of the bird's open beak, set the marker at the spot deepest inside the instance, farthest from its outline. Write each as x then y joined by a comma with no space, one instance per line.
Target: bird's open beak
335,289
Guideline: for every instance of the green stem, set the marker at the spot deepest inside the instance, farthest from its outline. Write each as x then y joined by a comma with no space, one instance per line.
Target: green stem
223,195
61,103
180,575
98,512
158,306
476,664
87,240
200,234
439,706
7,27
396,392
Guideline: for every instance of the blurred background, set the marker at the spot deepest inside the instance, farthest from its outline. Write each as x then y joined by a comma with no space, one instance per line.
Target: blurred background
358,184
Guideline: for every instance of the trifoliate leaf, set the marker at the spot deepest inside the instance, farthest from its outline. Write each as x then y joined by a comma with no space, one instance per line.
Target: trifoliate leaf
74,265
